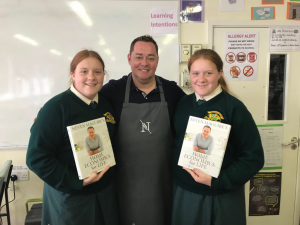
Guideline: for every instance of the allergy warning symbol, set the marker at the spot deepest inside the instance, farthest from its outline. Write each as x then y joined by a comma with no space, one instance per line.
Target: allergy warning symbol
235,71
248,71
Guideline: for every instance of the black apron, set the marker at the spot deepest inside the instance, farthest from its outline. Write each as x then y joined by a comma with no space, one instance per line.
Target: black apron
143,155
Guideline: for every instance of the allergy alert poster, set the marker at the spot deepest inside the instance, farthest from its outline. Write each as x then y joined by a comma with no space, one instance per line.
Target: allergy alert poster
241,56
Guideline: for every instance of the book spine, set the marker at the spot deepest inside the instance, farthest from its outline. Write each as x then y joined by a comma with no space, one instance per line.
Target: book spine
74,153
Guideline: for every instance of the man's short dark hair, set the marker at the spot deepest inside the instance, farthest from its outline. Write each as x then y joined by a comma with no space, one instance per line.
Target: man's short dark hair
90,128
207,127
144,38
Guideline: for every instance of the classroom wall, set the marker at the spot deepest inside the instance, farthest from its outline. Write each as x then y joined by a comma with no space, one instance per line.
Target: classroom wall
190,33
196,33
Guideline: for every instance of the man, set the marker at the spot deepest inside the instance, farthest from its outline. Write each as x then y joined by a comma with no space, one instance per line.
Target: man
203,142
92,142
144,106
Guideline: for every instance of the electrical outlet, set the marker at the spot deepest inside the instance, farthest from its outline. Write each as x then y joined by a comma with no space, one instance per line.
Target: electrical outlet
186,83
185,79
21,172
185,53
196,47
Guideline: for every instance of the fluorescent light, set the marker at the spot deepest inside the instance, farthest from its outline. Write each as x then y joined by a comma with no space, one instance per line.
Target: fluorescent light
107,51
55,52
46,86
101,42
25,89
36,87
6,97
78,8
113,58
26,39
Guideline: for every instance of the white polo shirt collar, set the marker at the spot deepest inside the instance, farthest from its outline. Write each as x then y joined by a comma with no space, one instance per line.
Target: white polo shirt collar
217,91
82,97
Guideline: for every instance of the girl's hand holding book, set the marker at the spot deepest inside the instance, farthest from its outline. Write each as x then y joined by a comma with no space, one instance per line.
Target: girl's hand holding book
94,177
199,176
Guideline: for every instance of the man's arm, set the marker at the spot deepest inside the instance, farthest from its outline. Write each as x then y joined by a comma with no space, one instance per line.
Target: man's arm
99,142
195,144
210,145
86,144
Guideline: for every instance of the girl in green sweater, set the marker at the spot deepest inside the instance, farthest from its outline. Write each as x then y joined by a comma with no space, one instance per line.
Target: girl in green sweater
198,197
66,199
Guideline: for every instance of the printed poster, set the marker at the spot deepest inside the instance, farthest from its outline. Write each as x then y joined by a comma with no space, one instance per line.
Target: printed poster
284,39
241,56
191,11
232,5
293,11
164,21
271,138
264,194
262,13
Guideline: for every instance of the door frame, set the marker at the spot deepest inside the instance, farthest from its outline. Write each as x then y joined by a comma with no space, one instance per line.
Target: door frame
253,24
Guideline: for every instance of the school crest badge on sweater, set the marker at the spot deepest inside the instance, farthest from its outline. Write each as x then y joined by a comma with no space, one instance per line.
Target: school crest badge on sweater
214,116
109,118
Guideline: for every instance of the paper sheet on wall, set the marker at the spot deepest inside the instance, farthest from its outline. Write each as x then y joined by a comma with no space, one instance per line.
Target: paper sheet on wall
284,38
272,138
293,11
232,5
191,11
164,21
241,56
264,194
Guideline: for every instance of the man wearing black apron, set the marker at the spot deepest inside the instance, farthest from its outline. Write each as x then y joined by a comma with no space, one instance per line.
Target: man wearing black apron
144,105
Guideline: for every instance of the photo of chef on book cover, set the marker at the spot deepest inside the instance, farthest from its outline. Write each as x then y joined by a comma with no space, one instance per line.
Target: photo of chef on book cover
91,146
204,145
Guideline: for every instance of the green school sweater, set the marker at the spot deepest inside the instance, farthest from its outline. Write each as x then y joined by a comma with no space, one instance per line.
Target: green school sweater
244,155
49,153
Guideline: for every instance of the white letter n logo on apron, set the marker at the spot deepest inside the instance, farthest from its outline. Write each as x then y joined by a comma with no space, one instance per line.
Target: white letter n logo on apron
145,126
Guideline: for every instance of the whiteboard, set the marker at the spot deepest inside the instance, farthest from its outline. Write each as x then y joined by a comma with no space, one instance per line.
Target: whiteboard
33,73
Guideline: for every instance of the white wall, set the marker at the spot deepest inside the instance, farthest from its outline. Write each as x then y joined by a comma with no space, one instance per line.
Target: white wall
190,33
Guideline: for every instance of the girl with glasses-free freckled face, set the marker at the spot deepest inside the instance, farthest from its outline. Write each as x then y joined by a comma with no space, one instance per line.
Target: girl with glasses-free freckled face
198,197
66,199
